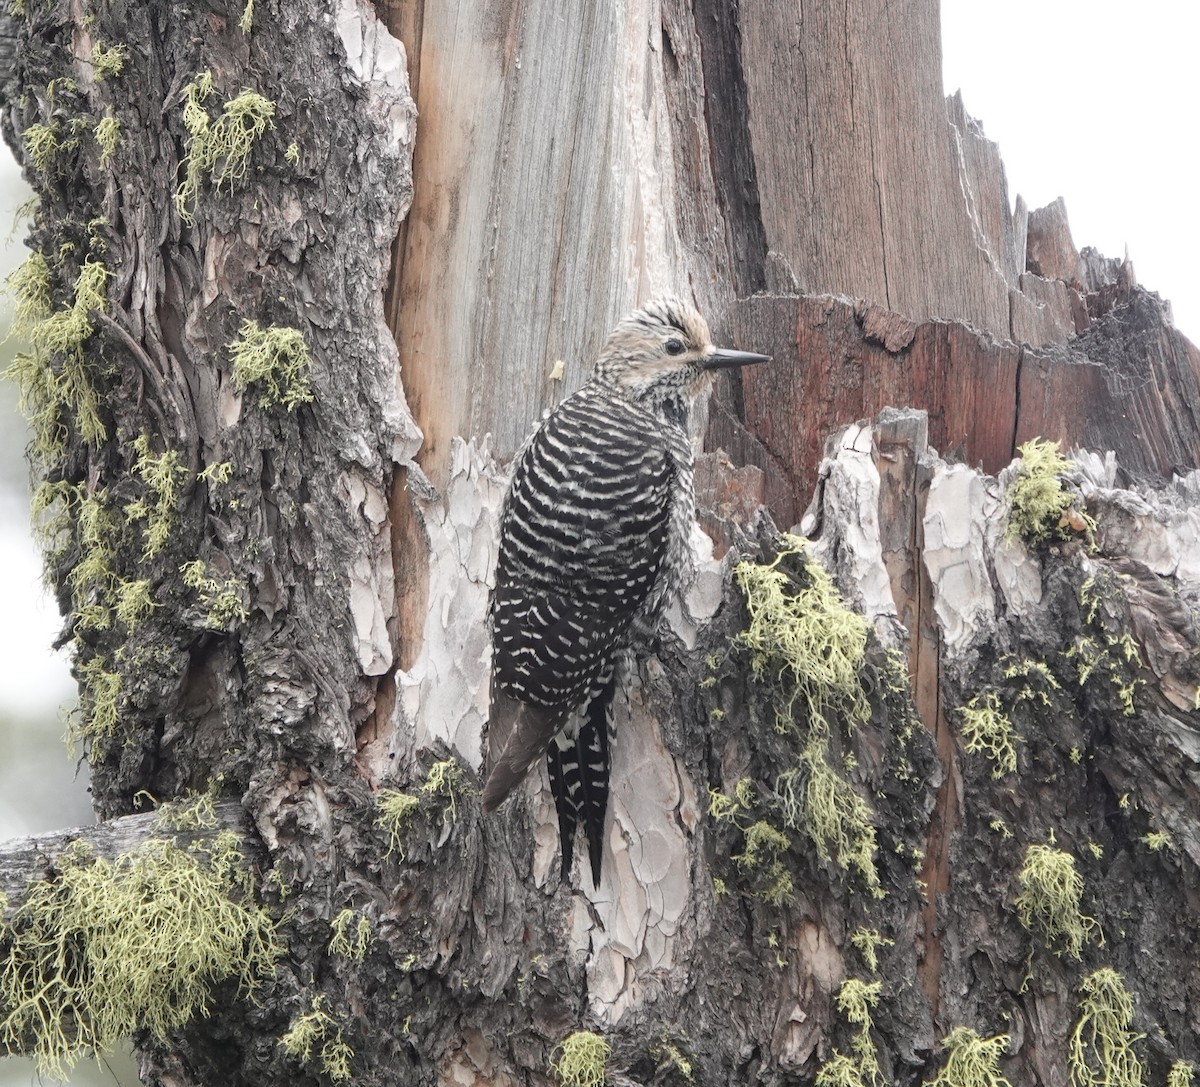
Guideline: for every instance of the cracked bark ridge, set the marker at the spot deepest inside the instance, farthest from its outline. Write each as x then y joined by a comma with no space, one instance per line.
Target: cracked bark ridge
269,705
1106,752
1128,384
300,529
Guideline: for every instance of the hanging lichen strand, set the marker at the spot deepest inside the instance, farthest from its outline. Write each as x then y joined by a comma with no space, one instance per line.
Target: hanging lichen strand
108,948
1040,509
220,149
809,648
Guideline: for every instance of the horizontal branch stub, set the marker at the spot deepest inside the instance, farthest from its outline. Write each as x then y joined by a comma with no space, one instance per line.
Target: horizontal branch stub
24,860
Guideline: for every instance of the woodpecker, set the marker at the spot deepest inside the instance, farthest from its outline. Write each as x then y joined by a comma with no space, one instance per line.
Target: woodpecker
593,542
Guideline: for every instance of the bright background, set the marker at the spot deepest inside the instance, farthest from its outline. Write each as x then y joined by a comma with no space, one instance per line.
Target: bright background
1096,102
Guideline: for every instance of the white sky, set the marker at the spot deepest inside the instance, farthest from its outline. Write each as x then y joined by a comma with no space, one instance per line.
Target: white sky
33,680
1098,102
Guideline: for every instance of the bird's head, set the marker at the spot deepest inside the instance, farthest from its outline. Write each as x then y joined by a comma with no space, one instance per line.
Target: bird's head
663,352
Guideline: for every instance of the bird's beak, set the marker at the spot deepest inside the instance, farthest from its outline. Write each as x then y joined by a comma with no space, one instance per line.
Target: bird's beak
724,359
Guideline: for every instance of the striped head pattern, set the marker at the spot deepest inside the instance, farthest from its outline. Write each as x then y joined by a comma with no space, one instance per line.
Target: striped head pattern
663,351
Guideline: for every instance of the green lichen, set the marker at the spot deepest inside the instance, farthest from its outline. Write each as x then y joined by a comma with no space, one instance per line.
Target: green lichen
42,143
108,62
722,807
97,239
971,1061
1158,840
98,714
219,472
162,473
1181,1074
29,287
67,330
808,633
292,154
134,602
54,379
220,149
1114,659
53,507
773,943
812,648
107,133
316,1032
868,941
61,88
1035,670
840,1071
351,938
836,819
581,1060
1050,898
109,948
93,579
247,19
195,116
396,810
855,1000
987,729
1040,509
445,779
673,1055
276,360
1100,1052
191,813
219,598
762,858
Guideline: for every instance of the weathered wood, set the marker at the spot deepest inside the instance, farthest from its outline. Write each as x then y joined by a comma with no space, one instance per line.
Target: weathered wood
34,858
836,362
1051,250
1130,383
868,189
535,212
1126,385
723,147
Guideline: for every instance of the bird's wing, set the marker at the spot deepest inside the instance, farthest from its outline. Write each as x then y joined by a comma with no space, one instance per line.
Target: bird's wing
518,734
577,562
583,541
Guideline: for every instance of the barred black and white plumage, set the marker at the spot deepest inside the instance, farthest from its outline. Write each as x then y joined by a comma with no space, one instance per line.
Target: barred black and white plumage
577,759
593,539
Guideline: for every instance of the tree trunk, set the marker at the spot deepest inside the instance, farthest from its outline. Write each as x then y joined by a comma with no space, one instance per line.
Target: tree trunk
272,544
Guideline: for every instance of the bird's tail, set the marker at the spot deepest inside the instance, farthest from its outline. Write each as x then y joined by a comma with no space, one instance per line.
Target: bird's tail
579,768
517,735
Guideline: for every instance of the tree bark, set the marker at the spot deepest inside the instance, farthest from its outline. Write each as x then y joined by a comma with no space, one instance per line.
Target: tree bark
330,657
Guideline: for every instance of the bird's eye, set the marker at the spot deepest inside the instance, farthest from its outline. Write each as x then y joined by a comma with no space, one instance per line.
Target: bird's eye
674,347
